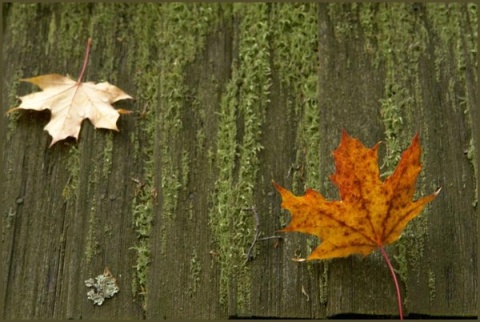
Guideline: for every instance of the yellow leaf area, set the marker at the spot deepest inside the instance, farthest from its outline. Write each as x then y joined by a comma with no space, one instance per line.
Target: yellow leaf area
371,213
71,102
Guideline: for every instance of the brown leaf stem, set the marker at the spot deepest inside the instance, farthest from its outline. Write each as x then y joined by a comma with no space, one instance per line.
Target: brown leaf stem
89,43
397,287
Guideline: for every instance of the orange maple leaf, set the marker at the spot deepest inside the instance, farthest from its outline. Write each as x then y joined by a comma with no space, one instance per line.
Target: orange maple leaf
73,101
371,213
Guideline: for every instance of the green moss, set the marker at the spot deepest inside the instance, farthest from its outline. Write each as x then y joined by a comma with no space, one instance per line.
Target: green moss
144,60
401,260
342,16
142,263
92,246
20,16
416,234
13,102
195,270
242,113
323,284
73,168
143,217
107,154
401,41
107,230
295,43
399,34
52,31
471,156
223,198
397,99
181,37
449,23
185,165
170,187
295,57
175,32
10,216
431,285
71,48
104,18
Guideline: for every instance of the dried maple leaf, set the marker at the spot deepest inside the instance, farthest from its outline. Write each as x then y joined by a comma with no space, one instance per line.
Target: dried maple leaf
70,102
371,213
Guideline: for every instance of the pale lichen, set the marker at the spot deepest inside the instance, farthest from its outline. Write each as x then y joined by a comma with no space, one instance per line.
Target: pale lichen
104,287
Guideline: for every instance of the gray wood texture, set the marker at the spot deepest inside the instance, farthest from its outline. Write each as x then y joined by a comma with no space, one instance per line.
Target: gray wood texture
228,97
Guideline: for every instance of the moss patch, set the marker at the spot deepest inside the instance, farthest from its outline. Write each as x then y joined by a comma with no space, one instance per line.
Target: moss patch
174,34
294,40
431,285
242,113
323,285
180,38
223,199
73,167
107,156
92,247
144,60
195,270
403,45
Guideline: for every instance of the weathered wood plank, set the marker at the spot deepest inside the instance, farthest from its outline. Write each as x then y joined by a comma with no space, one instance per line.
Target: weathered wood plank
228,97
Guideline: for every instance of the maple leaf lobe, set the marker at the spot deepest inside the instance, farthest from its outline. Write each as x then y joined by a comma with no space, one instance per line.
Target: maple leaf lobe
371,213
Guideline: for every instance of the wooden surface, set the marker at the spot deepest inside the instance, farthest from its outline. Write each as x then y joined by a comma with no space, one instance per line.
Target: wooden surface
227,98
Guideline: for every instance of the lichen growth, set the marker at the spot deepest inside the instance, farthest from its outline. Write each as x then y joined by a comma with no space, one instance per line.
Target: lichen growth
104,287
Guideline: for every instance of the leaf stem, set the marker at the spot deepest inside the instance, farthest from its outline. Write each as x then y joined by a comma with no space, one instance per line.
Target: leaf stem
89,43
397,287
